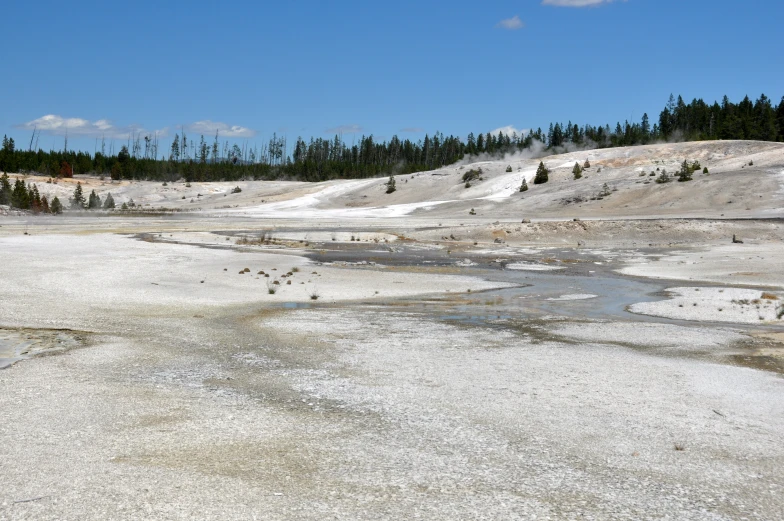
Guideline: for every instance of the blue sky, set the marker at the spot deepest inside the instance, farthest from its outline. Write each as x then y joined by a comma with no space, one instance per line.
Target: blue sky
312,68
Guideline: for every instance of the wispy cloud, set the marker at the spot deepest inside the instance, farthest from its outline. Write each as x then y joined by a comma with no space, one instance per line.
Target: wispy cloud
577,3
78,127
344,129
412,130
512,24
207,127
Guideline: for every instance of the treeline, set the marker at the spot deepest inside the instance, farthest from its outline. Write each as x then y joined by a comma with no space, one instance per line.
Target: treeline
27,197
321,159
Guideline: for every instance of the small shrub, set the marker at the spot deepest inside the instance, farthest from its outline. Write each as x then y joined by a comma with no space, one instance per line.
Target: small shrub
587,164
272,288
234,190
509,168
751,163
391,185
472,212
705,170
769,296
524,186
663,178
472,175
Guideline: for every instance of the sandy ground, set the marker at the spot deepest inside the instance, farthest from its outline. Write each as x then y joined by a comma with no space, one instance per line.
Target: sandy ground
452,366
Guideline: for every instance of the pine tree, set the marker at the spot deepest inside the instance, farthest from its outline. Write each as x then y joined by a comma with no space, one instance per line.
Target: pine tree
45,204
20,197
116,171
78,201
94,201
391,185
35,200
66,170
587,164
685,172
108,203
780,119
524,186
542,174
57,207
577,171
5,189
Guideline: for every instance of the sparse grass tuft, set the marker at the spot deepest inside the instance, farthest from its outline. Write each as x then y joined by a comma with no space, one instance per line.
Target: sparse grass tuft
264,238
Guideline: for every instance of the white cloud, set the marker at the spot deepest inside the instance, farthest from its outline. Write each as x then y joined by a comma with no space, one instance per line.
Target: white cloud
511,24
78,127
344,129
576,3
509,130
208,128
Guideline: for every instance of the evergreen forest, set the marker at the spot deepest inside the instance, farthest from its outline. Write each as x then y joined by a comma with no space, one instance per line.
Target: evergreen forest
141,157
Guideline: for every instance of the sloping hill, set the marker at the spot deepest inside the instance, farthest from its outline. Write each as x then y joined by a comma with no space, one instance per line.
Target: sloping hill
746,179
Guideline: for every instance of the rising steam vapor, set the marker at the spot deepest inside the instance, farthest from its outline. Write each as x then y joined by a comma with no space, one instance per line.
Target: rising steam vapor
537,150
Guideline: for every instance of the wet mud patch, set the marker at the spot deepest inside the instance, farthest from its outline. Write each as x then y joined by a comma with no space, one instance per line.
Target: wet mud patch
21,343
763,351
